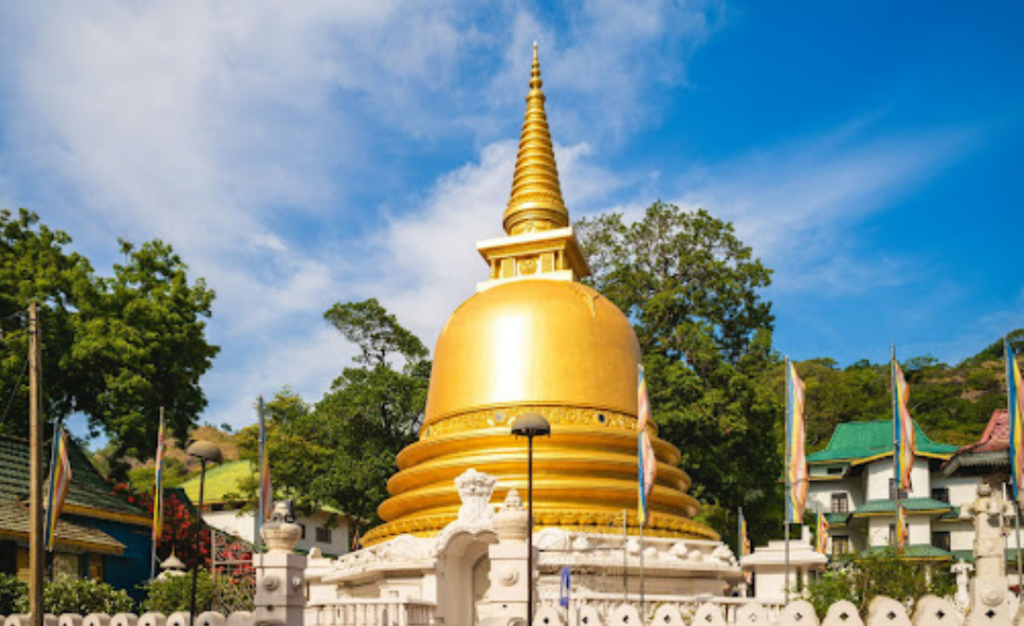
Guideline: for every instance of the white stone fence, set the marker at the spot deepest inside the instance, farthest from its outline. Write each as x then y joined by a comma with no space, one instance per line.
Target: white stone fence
883,611
371,612
207,618
929,611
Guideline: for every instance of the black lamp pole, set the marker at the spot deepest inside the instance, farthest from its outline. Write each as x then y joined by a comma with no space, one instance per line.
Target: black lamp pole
206,452
198,536
530,425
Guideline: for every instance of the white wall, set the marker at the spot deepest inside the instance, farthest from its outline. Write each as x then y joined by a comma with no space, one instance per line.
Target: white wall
241,524
879,472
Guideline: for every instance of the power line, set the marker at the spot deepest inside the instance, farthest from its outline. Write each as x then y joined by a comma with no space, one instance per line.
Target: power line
14,392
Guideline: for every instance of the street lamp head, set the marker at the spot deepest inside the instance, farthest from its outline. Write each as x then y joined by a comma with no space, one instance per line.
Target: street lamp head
205,451
531,425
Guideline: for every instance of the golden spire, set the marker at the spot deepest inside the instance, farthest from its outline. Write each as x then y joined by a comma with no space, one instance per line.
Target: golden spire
536,202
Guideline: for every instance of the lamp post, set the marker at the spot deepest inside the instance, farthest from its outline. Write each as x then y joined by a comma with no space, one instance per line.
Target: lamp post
206,452
530,425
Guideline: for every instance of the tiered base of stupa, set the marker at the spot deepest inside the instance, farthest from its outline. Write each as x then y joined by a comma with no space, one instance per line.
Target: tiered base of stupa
475,570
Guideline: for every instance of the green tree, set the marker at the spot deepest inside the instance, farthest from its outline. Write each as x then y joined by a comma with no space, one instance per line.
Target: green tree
883,575
693,291
114,348
143,478
341,452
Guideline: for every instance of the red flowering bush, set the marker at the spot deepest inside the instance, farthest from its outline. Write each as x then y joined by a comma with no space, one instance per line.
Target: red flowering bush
183,532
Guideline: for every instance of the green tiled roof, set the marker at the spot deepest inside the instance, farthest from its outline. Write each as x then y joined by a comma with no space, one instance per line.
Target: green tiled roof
836,519
88,487
953,515
883,507
221,481
853,441
968,555
916,551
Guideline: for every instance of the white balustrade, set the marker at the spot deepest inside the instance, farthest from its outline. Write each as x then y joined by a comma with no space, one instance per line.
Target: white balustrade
371,612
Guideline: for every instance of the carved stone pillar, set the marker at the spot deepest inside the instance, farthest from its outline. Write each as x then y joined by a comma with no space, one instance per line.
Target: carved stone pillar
506,598
280,583
988,590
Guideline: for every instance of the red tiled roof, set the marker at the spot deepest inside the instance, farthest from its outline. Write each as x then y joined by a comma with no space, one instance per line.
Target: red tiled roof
996,437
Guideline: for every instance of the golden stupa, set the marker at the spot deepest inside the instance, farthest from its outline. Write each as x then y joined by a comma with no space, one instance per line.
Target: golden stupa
533,339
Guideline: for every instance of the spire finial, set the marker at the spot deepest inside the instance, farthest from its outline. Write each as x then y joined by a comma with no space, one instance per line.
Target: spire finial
535,82
536,203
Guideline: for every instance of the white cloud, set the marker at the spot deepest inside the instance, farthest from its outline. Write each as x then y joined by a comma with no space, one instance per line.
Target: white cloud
799,205
431,263
246,133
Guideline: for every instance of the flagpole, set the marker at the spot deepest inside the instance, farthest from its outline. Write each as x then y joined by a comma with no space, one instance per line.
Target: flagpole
642,612
258,539
739,542
625,559
789,486
158,501
1009,358
896,476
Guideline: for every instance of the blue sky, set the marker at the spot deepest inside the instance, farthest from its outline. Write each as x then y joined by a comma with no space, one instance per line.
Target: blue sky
300,154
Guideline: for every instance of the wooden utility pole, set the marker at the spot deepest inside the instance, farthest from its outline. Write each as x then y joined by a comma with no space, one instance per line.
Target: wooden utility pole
36,554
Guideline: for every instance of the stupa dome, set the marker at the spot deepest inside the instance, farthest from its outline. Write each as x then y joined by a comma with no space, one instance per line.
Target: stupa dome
534,342
533,339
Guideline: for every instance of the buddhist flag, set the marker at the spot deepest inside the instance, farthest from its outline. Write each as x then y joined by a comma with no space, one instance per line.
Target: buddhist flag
902,533
57,490
1014,388
903,427
821,543
266,488
158,482
647,462
796,450
746,548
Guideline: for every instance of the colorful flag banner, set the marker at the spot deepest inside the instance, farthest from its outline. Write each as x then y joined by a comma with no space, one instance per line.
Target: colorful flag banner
647,462
746,548
266,488
903,428
902,533
821,543
1015,406
158,482
796,461
57,490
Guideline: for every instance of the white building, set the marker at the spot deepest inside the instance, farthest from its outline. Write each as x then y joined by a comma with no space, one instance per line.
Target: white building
852,481
327,529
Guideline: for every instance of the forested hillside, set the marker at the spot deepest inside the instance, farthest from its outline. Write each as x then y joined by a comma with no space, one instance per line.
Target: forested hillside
951,402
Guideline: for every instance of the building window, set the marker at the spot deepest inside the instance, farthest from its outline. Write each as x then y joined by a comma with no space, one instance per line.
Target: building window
840,545
840,503
941,494
892,534
940,539
66,565
892,491
96,567
835,471
323,535
303,527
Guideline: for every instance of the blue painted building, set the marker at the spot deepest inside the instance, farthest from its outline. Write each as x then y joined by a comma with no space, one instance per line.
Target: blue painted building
99,535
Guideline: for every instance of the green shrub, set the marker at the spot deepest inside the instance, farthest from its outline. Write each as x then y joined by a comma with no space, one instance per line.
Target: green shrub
82,596
174,593
13,593
863,579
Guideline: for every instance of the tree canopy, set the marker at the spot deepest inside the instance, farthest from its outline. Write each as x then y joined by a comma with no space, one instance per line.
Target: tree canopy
341,451
114,348
693,291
